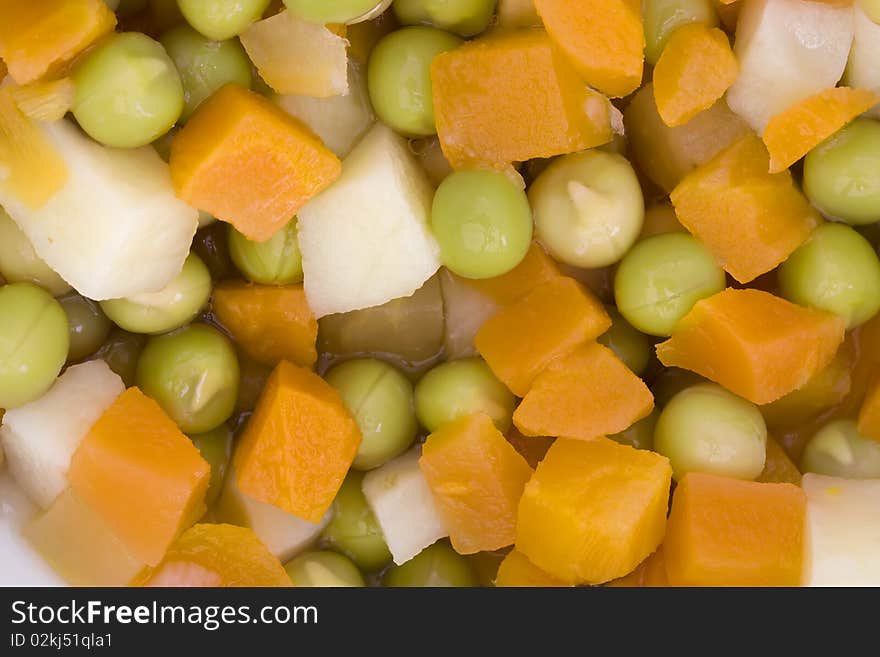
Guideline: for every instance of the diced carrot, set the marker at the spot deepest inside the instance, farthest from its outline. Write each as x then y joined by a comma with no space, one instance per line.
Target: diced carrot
270,323
39,38
248,162
778,467
753,343
729,532
593,510
535,268
511,97
141,475
298,444
477,478
532,448
650,573
587,394
548,322
695,68
517,571
749,219
793,133
869,415
45,101
219,555
604,39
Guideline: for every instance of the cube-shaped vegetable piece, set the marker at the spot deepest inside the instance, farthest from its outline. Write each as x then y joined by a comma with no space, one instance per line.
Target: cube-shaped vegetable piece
80,545
219,555
40,438
115,228
285,534
795,131
861,69
548,322
517,571
604,39
586,394
401,499
246,161
869,414
650,573
778,467
366,240
730,532
750,220
298,445
535,268
477,478
843,531
141,475
511,97
294,56
694,70
39,38
753,343
270,323
593,510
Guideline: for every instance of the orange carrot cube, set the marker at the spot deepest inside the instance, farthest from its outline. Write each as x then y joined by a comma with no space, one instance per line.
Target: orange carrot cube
516,570
869,415
141,475
753,343
298,445
778,467
248,162
535,268
650,573
729,532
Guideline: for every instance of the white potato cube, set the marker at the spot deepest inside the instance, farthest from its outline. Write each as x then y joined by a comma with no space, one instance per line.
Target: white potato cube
787,50
365,240
863,69
843,531
403,504
466,310
40,438
115,229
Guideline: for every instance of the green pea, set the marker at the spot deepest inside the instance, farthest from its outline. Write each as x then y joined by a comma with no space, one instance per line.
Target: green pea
323,569
121,352
276,261
215,447
34,340
19,263
128,91
222,19
399,78
670,382
631,346
839,450
89,326
661,278
705,428
437,565
836,270
171,308
333,11
641,434
463,17
193,374
354,530
588,208
482,222
459,388
662,17
205,65
381,400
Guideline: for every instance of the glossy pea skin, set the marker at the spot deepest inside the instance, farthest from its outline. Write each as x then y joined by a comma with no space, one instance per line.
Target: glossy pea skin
19,263
205,65
631,346
277,261
588,208
89,326
438,565
353,529
462,387
705,428
399,78
463,17
839,450
215,446
660,280
641,434
121,352
381,400
34,341
842,174
193,374
323,569
333,11
662,17
482,222
128,91
219,20
836,270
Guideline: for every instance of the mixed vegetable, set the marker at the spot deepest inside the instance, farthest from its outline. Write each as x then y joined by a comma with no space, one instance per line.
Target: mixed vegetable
440,292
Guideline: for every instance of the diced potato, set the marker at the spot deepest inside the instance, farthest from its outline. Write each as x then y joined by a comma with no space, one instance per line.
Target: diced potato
863,70
467,309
